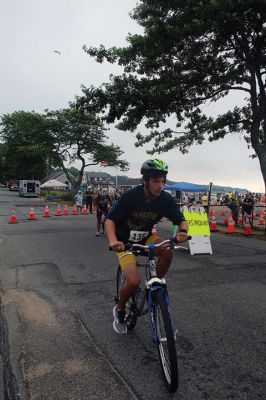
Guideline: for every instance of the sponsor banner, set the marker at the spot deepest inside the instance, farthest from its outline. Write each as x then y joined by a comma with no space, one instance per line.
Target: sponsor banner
198,224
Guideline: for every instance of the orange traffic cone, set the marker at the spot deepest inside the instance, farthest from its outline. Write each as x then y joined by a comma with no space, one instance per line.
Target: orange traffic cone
261,220
247,226
13,218
46,212
154,230
254,214
231,225
74,211
58,211
32,214
65,210
213,226
85,210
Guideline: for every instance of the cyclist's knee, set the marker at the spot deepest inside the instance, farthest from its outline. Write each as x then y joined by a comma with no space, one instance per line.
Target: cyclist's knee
133,282
132,276
165,253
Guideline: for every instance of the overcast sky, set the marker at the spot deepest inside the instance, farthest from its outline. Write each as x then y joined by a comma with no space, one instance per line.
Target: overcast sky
34,77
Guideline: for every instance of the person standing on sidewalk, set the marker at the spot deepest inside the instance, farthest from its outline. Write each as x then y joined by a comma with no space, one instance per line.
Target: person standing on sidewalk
231,203
247,207
79,201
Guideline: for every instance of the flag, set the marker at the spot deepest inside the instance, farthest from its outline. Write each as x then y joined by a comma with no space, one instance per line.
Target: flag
105,164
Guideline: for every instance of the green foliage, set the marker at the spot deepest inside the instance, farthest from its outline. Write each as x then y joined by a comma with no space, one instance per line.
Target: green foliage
80,136
33,143
28,148
192,53
57,195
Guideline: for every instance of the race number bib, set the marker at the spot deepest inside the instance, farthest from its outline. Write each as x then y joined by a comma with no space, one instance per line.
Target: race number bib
138,236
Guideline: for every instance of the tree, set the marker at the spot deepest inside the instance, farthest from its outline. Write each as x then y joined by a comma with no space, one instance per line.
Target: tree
28,148
80,136
192,52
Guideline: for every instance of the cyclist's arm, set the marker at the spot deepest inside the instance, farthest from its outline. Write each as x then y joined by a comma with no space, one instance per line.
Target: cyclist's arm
109,228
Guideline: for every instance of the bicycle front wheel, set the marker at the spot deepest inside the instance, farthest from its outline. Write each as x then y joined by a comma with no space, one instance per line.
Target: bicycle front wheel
165,342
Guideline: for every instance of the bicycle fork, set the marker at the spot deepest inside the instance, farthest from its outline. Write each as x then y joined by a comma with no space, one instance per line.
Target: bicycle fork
151,308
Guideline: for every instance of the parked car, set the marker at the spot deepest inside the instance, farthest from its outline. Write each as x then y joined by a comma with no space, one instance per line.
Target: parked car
14,188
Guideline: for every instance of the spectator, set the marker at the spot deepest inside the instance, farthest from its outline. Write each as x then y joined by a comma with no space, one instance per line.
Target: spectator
247,207
205,202
79,201
231,203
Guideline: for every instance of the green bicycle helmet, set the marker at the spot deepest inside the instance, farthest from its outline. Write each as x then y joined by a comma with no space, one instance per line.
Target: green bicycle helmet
153,167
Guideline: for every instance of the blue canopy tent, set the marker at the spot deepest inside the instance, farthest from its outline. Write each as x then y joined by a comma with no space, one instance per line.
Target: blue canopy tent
186,187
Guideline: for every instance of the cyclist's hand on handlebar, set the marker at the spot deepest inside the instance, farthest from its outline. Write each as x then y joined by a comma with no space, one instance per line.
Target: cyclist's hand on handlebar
117,246
181,237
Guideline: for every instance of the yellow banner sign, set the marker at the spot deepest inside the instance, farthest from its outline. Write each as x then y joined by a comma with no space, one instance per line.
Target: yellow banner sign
198,224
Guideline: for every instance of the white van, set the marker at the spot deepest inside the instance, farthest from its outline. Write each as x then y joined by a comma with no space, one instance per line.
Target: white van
29,188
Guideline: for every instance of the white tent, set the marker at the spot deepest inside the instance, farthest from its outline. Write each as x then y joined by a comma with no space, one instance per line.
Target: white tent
53,184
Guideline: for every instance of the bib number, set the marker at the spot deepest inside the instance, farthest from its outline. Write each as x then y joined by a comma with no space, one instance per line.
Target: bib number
138,236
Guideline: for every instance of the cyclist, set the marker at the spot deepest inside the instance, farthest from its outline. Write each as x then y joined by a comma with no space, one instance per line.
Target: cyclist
102,203
132,219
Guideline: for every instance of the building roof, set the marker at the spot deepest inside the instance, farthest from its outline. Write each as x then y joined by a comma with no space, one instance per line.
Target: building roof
97,175
57,175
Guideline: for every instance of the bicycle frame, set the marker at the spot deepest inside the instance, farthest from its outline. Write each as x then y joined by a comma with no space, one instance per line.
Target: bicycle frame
156,296
152,282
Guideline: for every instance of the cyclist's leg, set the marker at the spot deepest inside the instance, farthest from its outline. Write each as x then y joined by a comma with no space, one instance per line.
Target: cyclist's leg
131,275
132,282
104,213
98,221
165,256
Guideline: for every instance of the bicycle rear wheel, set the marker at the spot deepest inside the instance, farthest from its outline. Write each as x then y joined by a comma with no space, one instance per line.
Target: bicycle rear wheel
131,306
165,342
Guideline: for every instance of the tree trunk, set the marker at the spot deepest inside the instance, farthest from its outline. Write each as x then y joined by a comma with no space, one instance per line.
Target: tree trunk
262,161
66,172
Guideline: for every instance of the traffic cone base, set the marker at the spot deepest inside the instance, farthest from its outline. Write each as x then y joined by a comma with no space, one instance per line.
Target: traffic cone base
231,225
85,211
65,210
213,226
46,212
32,214
58,211
74,211
13,218
247,227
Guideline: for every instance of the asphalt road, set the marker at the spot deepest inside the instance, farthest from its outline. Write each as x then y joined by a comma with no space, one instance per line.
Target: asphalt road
57,284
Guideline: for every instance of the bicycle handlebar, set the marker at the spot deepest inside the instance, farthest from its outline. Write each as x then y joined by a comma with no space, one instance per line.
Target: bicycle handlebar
172,241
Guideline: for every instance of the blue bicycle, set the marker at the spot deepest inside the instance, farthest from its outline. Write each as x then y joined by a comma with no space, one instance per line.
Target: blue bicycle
155,296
